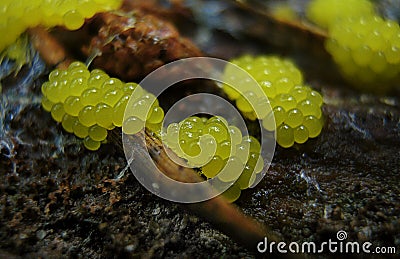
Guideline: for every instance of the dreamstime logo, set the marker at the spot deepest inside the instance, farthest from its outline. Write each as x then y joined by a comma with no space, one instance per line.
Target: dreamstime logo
143,166
341,235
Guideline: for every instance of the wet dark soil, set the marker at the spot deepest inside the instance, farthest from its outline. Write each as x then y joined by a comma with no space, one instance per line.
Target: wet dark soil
58,199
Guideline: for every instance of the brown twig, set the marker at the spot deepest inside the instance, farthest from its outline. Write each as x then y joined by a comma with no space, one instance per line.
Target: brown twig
221,214
280,32
51,51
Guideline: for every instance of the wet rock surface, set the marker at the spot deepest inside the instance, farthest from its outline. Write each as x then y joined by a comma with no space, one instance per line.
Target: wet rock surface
58,199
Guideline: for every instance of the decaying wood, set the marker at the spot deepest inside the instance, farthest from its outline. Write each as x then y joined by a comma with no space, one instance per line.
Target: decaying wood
128,45
176,9
131,46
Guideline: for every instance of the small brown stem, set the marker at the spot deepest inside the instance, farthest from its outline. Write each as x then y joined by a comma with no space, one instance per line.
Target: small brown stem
222,215
51,51
298,35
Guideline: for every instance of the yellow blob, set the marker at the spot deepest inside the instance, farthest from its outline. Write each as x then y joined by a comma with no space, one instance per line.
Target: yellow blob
97,133
232,193
285,136
212,168
58,112
132,125
91,144
326,12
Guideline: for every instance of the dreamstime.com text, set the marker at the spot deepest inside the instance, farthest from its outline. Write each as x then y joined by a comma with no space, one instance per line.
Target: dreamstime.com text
330,246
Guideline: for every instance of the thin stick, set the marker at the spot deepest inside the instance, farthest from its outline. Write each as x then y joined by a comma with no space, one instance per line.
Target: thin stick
51,51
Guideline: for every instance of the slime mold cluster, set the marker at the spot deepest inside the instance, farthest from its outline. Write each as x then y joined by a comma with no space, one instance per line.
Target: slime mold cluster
365,46
90,103
17,16
295,106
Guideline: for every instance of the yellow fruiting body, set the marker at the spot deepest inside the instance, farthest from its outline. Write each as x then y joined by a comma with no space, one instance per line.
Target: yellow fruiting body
367,51
365,47
17,16
290,100
90,103
326,12
215,155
